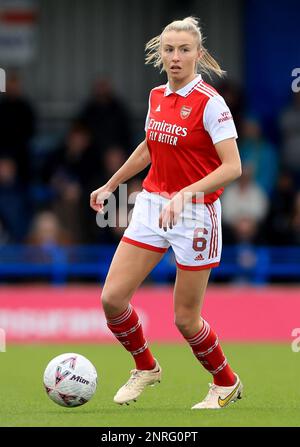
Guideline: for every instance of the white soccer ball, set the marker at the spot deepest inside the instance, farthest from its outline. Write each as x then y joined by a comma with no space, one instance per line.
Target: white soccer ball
70,380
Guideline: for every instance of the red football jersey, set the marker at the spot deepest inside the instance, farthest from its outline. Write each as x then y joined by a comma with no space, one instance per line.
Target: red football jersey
181,130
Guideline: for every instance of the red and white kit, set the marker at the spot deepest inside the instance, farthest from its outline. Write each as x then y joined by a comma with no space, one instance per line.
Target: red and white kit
182,128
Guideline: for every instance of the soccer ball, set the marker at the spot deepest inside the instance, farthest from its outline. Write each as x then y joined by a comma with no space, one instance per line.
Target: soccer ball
70,380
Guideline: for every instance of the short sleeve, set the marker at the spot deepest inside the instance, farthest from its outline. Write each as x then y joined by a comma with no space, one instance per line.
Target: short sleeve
218,121
148,114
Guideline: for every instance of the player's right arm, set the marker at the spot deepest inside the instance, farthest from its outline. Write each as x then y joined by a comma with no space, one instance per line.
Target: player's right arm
136,163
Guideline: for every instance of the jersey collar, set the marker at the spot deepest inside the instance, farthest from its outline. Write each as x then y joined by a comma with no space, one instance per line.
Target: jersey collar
184,91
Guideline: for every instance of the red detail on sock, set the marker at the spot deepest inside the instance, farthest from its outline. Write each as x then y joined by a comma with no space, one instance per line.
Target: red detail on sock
198,335
121,317
209,353
130,333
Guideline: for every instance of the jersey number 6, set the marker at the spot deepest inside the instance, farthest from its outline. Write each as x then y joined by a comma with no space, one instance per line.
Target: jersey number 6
199,242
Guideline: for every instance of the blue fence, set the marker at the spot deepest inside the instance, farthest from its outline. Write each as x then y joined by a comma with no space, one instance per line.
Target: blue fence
58,265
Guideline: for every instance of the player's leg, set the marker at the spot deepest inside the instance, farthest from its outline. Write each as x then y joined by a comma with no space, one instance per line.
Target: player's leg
189,292
129,267
139,251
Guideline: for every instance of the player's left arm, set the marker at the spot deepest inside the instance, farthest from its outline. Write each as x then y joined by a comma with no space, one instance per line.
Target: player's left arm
229,170
223,135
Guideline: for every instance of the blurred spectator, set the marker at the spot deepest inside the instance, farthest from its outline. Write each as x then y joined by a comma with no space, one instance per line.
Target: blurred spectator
14,206
46,231
246,237
245,233
245,229
244,199
4,236
107,118
73,160
71,172
17,125
255,150
113,159
290,129
67,208
295,221
280,212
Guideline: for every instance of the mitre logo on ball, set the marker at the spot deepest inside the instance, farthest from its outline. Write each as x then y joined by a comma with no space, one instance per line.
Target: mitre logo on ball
70,380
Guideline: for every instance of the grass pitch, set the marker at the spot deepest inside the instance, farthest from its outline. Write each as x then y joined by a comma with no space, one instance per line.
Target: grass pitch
270,373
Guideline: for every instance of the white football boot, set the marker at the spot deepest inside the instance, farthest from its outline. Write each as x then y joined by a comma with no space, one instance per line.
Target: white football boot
220,396
136,384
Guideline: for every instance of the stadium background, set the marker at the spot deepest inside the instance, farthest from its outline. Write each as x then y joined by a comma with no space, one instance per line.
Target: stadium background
74,108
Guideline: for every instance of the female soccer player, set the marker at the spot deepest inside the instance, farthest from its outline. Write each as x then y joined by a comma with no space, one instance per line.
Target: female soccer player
191,144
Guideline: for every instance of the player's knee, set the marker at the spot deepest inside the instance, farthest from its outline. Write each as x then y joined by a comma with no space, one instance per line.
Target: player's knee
113,301
110,302
183,322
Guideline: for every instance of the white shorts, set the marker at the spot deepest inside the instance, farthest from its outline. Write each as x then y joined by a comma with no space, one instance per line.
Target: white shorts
196,239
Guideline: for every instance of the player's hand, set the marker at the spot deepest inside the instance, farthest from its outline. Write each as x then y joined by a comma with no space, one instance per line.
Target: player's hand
171,211
98,197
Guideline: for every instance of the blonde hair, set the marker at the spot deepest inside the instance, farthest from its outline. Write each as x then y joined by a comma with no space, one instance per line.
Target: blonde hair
207,64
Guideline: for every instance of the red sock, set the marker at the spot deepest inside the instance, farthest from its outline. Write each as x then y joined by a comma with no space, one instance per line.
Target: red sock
128,330
205,346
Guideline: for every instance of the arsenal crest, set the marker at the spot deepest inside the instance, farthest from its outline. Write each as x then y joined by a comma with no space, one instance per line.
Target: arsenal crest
185,112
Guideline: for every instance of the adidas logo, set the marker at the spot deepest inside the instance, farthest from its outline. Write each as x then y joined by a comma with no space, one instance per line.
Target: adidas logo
157,109
199,258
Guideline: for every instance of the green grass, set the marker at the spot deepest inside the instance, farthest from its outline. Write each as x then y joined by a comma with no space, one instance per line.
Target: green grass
270,373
